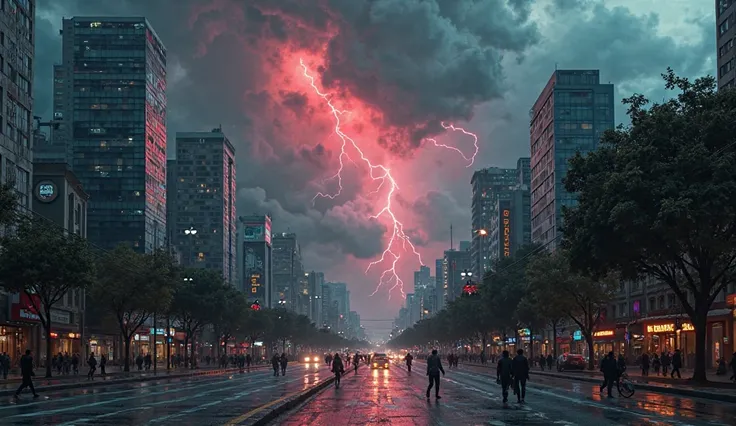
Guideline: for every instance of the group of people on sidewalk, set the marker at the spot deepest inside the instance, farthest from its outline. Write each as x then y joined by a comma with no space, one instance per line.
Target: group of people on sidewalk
279,363
662,362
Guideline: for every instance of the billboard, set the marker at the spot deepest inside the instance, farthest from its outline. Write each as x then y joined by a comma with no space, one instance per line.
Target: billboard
254,271
506,237
258,231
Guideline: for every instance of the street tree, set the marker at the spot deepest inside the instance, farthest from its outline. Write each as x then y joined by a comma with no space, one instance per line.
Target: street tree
658,198
8,204
230,318
45,263
195,304
132,287
580,298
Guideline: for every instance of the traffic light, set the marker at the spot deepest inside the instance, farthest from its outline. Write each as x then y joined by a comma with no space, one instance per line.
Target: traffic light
470,289
256,306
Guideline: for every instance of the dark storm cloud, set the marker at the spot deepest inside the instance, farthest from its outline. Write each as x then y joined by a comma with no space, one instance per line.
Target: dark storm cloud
435,212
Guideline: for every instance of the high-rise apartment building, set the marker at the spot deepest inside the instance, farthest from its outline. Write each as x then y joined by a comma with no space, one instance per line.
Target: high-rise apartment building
255,259
287,269
201,196
454,263
114,121
725,34
17,19
439,285
315,280
569,116
487,183
510,224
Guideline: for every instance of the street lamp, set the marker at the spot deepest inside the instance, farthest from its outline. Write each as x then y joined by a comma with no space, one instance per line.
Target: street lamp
187,280
482,232
190,231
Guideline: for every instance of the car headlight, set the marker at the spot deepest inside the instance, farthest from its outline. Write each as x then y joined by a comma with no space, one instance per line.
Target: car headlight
307,359
375,364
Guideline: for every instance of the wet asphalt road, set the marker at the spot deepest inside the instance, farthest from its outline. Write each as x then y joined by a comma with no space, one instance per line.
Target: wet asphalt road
468,398
203,400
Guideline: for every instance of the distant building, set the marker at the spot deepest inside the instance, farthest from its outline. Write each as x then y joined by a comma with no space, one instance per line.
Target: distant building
315,282
570,115
725,33
113,113
510,224
454,263
487,183
287,269
255,259
439,284
201,196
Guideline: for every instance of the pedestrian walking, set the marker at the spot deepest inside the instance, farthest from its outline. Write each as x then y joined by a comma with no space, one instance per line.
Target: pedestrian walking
276,364
92,363
645,364
4,364
26,373
732,364
550,361
666,360
656,363
520,371
542,361
610,370
283,361
248,360
676,364
434,367
504,375
103,362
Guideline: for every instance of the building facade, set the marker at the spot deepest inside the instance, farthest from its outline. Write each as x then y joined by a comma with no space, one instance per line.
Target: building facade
17,18
510,226
725,33
315,280
287,269
114,121
487,183
439,285
454,263
201,196
255,260
569,116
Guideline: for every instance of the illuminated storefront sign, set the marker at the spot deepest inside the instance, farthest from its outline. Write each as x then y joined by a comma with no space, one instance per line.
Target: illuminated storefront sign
255,283
604,333
668,328
506,232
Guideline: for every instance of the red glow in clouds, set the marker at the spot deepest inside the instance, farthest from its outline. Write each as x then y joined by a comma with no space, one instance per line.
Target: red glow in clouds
382,176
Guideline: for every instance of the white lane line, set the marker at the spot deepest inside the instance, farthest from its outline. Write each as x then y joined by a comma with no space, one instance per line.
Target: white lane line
114,400
144,390
148,406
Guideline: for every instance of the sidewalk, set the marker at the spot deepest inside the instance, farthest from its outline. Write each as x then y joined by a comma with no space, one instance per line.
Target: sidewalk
718,389
9,386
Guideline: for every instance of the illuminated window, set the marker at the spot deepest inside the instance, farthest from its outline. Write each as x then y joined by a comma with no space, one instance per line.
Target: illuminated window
586,126
200,256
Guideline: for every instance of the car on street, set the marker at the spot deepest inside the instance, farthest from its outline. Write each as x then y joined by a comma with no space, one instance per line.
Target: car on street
571,362
380,361
311,358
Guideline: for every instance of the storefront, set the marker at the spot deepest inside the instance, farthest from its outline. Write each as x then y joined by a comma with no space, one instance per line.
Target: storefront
22,331
665,336
604,341
103,345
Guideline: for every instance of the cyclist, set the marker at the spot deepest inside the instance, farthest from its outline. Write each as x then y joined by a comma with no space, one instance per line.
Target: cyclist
338,368
408,358
611,373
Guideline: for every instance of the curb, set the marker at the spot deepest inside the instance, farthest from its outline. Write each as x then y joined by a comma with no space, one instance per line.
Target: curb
723,397
92,383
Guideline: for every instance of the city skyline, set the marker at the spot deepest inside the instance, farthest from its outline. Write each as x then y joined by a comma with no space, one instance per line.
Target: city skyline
343,244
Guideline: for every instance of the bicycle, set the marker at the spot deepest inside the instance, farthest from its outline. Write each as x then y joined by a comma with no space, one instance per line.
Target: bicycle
625,386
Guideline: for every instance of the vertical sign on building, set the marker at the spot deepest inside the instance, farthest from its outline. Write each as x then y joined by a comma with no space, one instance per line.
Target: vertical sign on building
506,221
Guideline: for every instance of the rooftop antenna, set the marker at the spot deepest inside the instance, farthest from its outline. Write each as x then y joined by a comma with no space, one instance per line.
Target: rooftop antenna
451,246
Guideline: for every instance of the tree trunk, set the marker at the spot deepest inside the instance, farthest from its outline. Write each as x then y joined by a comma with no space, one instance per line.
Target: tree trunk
589,340
700,322
554,338
186,350
168,343
483,346
193,358
126,364
531,345
219,342
47,328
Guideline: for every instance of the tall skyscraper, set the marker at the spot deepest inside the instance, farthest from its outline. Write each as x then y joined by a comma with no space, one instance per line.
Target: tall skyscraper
114,119
439,284
725,33
569,116
287,269
315,281
487,183
524,171
201,196
255,260
340,297
454,263
510,224
17,22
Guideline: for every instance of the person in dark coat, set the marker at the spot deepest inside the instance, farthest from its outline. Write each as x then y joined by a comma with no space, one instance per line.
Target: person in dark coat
520,371
434,367
276,364
26,372
676,364
732,364
609,368
92,363
645,364
504,374
283,361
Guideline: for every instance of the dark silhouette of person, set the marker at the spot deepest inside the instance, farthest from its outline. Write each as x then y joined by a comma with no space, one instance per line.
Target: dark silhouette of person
520,371
504,374
26,372
610,370
434,367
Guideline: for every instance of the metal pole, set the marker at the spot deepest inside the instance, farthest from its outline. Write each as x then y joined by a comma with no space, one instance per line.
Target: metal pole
155,349
168,343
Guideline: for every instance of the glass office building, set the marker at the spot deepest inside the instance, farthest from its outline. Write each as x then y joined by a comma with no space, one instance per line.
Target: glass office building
114,110
569,116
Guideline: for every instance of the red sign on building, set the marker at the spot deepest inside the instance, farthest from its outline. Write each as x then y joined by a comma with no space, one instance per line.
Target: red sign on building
24,310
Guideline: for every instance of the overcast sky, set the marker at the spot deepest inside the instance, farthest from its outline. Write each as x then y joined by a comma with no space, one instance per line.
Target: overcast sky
401,68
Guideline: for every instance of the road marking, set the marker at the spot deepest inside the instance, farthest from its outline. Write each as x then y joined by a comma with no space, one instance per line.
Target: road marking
203,380
257,410
114,400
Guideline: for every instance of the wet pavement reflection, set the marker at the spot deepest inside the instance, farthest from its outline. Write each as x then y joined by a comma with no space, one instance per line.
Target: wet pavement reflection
395,397
204,400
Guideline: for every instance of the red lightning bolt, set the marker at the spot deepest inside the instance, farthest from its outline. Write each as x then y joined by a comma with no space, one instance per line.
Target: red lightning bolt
382,175
470,160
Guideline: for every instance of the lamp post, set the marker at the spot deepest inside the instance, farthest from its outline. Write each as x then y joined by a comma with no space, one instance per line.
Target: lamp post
191,232
469,289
